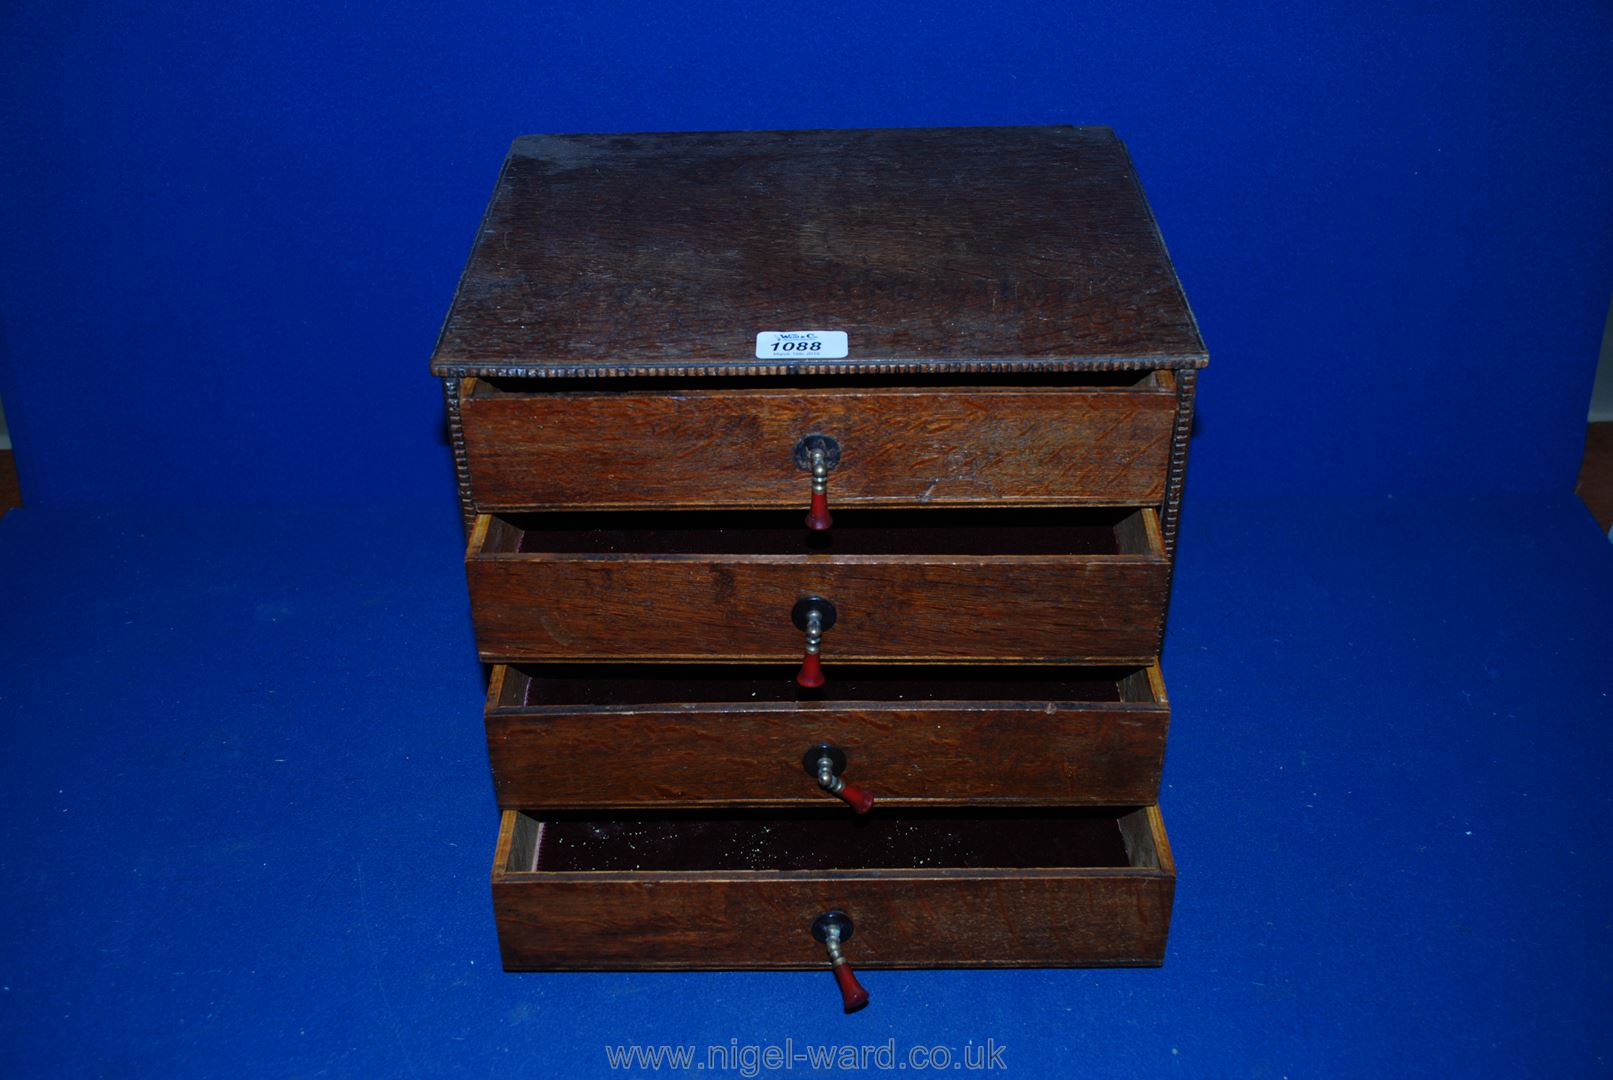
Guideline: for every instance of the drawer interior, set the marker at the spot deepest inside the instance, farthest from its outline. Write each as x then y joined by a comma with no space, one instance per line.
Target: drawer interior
1118,838
928,532
539,686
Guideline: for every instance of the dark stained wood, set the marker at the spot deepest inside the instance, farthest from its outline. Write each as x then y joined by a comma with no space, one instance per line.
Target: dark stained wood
697,448
1170,511
452,391
1028,608
1595,487
1142,831
933,249
905,916
913,746
10,492
1014,416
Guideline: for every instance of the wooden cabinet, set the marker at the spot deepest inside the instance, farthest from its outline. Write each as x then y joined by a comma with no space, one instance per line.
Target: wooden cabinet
967,353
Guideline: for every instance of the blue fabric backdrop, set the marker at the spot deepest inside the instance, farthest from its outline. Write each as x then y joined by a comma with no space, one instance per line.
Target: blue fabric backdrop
231,230
245,813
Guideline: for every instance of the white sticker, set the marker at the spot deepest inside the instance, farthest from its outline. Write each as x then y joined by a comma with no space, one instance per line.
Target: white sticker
801,345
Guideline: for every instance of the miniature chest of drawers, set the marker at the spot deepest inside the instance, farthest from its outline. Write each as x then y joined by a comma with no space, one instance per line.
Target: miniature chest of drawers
822,491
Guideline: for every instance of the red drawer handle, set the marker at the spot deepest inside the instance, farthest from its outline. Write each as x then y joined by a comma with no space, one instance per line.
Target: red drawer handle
818,517
861,799
825,763
852,994
811,673
832,928
814,615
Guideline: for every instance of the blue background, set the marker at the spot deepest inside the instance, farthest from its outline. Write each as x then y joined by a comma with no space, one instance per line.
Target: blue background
231,230
245,817
246,822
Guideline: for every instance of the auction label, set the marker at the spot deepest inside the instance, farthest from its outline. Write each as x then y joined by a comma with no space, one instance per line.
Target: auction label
801,345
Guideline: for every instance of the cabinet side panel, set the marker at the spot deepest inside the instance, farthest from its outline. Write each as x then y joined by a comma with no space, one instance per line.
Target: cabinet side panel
1175,478
456,436
1176,470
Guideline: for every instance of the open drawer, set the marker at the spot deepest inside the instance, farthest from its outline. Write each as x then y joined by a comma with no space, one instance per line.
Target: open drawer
746,735
1036,585
921,888
1065,439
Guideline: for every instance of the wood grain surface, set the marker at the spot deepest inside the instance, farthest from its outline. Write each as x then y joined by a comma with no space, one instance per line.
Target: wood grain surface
1038,917
744,753
720,448
1042,609
1019,382
933,249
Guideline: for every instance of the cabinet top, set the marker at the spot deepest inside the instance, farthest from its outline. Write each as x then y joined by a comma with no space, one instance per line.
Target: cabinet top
930,249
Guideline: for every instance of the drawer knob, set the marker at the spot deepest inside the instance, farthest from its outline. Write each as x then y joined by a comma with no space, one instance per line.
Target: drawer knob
814,615
817,454
832,928
826,763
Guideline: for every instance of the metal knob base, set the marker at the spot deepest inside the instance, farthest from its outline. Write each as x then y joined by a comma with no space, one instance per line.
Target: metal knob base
825,763
817,454
814,615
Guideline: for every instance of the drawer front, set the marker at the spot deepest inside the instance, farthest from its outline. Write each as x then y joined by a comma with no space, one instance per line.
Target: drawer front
1040,609
597,595
951,917
1058,749
736,448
